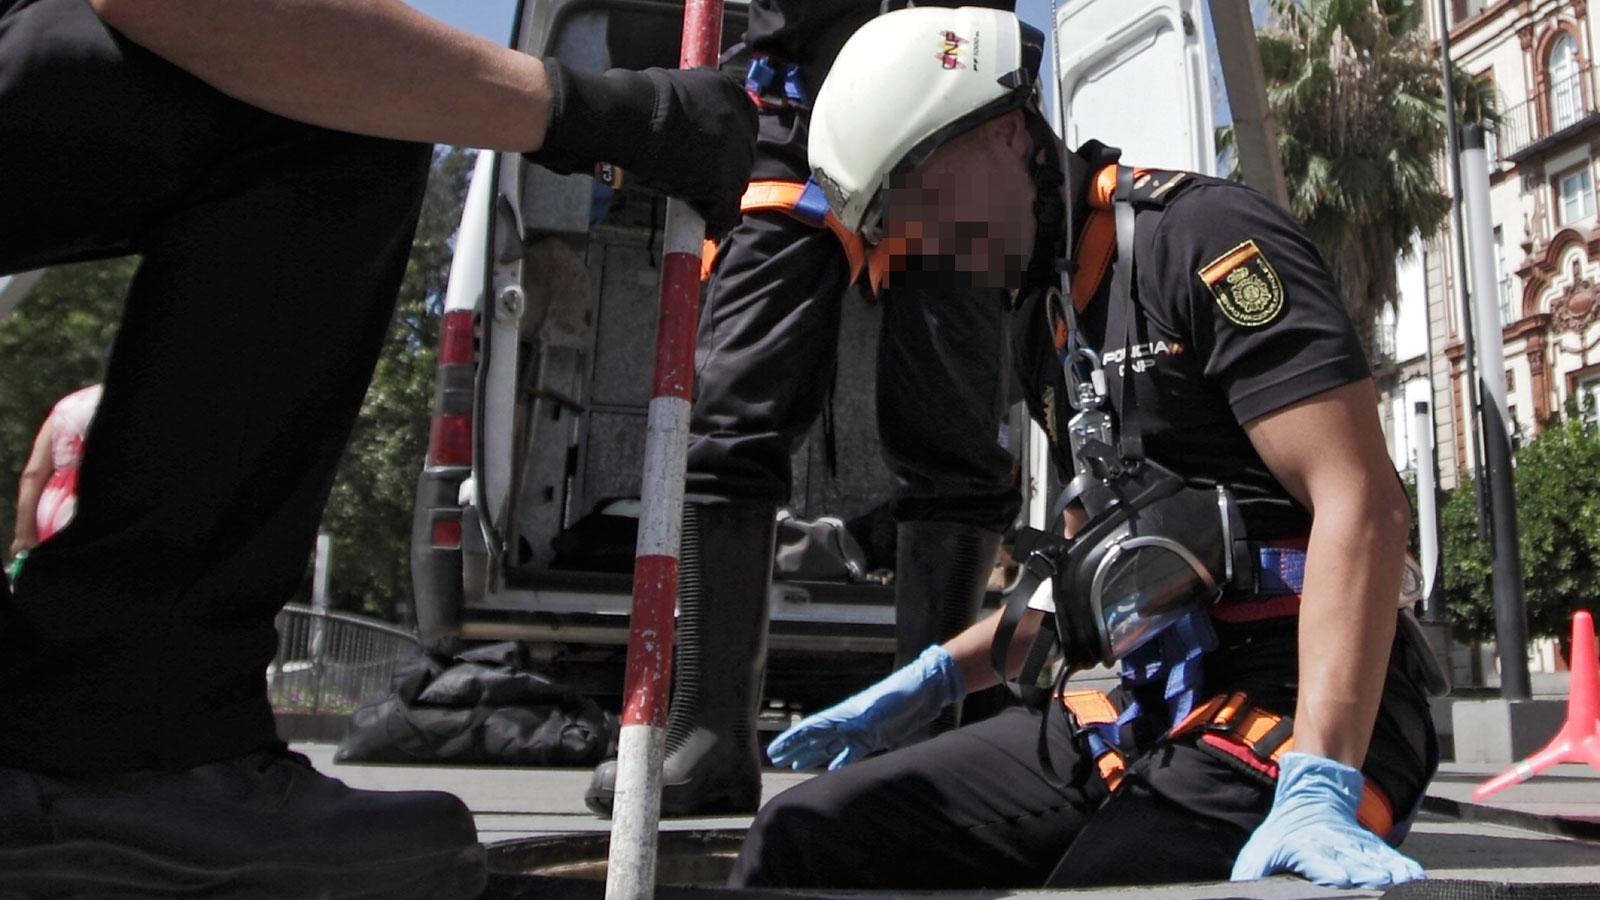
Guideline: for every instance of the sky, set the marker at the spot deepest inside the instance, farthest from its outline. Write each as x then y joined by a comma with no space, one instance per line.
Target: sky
489,18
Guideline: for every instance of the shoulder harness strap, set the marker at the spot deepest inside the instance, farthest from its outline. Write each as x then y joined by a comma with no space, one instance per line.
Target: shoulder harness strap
1097,241
804,202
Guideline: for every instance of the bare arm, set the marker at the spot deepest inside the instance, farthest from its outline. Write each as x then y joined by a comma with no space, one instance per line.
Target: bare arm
373,67
1328,451
34,476
970,649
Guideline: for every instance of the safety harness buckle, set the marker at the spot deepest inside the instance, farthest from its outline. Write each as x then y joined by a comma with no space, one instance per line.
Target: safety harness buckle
775,87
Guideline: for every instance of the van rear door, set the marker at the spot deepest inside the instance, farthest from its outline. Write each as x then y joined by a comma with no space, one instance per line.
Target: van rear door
1136,75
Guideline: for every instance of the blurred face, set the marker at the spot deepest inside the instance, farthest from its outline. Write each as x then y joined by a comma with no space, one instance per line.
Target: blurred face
968,209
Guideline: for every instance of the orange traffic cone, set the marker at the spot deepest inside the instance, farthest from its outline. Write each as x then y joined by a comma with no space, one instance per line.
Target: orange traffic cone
1579,739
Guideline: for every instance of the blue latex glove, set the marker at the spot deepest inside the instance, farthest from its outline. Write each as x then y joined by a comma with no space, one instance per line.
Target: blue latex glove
874,719
1312,831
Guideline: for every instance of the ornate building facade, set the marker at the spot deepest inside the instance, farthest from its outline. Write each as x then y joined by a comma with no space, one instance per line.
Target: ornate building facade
1542,174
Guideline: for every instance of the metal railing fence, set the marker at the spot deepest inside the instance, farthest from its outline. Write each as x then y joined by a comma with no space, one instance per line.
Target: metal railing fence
1557,106
329,662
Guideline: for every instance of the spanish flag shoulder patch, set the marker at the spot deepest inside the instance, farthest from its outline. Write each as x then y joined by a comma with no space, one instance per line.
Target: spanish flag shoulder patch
1245,285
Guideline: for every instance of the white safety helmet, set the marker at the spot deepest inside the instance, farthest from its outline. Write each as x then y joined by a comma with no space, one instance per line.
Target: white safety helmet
905,83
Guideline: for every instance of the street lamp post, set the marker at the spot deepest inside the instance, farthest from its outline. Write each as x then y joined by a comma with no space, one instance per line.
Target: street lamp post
1510,614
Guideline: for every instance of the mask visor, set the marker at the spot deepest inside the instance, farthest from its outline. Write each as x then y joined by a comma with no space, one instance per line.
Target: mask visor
1143,585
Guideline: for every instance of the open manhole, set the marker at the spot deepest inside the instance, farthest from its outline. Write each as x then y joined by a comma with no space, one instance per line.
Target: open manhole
689,864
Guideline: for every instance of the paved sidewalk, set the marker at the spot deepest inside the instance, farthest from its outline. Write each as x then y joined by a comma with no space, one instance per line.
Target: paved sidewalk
520,803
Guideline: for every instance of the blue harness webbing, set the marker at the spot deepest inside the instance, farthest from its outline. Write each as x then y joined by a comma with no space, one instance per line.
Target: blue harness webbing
775,86
1282,570
1176,654
813,203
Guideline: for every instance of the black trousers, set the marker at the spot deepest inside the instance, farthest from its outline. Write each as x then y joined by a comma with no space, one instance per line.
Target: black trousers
974,808
768,347
272,252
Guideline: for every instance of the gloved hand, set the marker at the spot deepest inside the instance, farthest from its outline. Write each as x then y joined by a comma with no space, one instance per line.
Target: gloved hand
1312,831
876,718
689,132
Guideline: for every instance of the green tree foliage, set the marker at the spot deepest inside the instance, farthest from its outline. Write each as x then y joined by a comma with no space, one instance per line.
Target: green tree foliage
55,341
1356,91
1558,524
369,511
1468,599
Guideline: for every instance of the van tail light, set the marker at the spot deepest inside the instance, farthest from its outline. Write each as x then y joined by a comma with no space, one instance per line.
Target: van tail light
446,533
450,434
450,440
455,338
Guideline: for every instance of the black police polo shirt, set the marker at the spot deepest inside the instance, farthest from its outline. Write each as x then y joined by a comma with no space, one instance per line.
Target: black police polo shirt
1239,318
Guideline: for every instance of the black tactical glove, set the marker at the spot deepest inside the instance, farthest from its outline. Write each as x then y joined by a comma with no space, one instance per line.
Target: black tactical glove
688,132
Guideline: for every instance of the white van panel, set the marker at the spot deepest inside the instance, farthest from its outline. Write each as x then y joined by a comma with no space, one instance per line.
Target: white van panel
471,257
1135,74
14,287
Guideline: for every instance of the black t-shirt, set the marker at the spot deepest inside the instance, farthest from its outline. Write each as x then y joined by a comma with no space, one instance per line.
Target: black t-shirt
1239,318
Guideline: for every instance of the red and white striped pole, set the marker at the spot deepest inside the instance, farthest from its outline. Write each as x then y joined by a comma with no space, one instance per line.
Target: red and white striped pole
636,809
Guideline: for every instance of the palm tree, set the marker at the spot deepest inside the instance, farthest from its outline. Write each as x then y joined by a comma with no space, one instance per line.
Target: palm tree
1356,90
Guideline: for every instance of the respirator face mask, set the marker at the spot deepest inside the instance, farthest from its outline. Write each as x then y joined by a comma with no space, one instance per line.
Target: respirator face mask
1160,551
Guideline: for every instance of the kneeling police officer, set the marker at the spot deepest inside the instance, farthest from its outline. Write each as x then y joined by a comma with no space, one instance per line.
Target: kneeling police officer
1236,533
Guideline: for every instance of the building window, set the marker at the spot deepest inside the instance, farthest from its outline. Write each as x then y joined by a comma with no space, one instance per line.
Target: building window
1575,191
1383,336
1466,9
1566,95
1507,311
1511,380
1491,133
1589,399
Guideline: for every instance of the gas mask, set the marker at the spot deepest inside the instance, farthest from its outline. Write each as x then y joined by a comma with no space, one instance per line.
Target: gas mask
1158,551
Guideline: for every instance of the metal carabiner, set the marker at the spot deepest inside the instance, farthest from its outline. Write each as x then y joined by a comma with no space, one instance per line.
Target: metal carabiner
1085,376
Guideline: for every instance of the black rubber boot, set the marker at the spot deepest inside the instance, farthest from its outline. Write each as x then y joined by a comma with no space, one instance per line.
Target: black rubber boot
940,575
262,825
713,764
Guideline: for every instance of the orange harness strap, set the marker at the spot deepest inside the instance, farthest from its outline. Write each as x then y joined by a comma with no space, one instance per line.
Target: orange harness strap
1089,708
881,259
1097,244
1097,241
1257,738
1252,736
784,197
